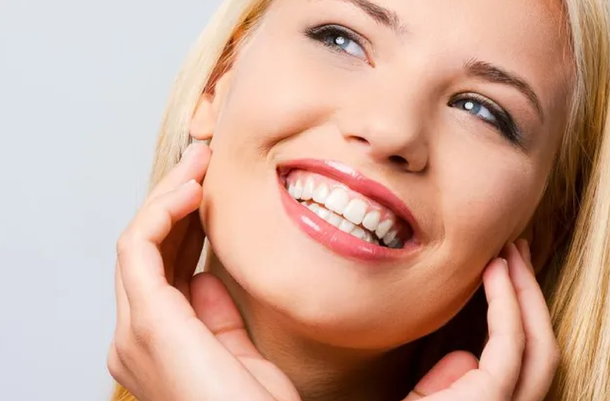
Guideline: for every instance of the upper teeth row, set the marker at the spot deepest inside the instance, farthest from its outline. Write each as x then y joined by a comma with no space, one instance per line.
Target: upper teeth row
338,201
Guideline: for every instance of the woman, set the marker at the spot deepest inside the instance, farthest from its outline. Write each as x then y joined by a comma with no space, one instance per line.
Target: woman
371,163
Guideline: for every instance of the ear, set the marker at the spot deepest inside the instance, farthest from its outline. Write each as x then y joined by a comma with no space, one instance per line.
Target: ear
205,116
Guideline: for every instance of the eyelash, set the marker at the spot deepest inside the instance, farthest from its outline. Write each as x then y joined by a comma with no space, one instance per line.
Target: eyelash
323,33
504,123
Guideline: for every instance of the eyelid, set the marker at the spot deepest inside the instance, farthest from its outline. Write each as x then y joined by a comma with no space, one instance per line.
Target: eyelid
351,34
480,98
504,119
497,110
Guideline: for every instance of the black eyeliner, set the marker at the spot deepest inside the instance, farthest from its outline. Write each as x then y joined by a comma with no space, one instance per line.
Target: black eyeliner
321,32
505,123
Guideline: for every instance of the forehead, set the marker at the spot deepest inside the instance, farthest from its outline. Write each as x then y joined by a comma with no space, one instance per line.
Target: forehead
535,29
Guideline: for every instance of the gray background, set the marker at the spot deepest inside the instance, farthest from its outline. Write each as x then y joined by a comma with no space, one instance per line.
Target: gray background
83,85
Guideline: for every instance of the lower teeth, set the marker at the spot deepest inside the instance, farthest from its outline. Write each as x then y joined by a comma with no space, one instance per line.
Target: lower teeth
349,227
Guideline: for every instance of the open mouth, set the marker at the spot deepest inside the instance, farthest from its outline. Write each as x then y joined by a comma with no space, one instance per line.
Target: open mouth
349,202
346,209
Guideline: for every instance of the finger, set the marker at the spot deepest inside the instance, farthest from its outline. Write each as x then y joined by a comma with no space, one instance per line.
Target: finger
116,368
526,255
170,249
189,255
138,248
122,303
502,356
215,308
541,351
448,370
500,362
192,166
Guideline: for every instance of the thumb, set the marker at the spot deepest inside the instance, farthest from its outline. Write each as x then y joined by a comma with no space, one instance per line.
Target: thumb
216,310
444,374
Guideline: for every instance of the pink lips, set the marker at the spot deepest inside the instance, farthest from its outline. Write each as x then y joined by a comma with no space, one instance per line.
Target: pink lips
328,235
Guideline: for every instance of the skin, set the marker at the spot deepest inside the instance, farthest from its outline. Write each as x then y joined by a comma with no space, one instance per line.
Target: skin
387,115
181,338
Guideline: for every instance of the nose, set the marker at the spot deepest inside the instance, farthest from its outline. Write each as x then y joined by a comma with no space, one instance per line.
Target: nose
389,126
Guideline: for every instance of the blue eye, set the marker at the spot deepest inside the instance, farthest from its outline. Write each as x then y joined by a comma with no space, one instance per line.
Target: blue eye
490,113
340,39
477,109
346,44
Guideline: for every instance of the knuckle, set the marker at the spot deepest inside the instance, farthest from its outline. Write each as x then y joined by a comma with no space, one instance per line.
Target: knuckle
520,340
115,364
491,388
162,215
124,242
122,349
123,357
155,207
143,330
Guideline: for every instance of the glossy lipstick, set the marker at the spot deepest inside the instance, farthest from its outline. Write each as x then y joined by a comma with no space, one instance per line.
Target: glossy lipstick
330,236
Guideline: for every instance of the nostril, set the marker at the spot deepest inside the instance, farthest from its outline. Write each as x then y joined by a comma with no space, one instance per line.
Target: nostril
398,160
360,139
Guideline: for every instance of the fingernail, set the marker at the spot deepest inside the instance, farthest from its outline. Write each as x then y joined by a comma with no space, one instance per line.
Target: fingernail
504,262
189,182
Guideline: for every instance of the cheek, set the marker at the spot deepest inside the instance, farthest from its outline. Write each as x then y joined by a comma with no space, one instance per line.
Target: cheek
272,100
484,198
488,197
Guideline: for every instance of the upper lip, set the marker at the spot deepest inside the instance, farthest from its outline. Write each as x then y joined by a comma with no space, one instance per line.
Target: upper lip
356,181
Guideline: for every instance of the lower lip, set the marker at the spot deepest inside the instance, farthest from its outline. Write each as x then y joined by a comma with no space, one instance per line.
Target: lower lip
334,239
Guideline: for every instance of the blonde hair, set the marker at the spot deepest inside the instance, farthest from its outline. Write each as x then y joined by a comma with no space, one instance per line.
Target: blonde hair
575,209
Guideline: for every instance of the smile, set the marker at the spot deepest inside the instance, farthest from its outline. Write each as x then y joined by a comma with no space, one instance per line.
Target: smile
346,211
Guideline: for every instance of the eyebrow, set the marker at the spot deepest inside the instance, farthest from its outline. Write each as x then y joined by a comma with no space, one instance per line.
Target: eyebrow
494,74
381,15
474,67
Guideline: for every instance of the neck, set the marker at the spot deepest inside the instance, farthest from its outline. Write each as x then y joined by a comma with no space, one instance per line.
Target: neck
318,371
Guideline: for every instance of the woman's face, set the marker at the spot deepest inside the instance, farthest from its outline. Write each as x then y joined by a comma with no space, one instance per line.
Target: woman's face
429,127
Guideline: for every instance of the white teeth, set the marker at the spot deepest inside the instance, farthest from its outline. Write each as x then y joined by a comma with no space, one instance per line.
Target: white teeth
384,228
337,200
355,211
334,219
320,194
298,190
389,237
322,212
346,226
358,233
371,220
308,189
337,209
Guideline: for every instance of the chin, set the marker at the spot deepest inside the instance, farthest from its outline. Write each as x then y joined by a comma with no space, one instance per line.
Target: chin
332,254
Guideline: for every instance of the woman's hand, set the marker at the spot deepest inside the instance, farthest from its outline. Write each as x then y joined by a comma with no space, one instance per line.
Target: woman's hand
181,338
521,356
